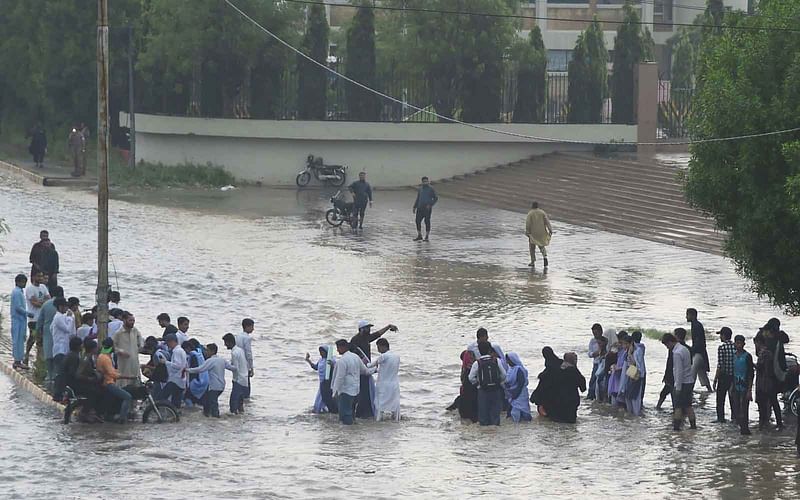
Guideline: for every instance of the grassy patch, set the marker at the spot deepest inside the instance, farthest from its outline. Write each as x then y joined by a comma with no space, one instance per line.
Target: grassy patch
650,333
156,175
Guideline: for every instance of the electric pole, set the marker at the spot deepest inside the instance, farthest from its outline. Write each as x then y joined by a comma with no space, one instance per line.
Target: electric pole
131,102
102,169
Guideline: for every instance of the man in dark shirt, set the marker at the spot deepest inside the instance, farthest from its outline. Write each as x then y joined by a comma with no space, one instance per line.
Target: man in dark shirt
165,322
362,194
426,199
700,364
44,257
360,345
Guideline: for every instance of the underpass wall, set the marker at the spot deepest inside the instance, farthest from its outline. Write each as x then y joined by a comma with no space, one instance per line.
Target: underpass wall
392,154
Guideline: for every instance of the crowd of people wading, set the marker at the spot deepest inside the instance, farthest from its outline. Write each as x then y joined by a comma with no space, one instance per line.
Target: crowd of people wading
493,383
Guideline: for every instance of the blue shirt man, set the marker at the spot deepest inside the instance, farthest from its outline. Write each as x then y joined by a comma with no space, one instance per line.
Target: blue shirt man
19,320
362,194
423,205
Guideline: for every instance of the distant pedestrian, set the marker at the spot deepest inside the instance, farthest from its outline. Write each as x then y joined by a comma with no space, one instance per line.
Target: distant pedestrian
723,378
183,330
360,345
324,402
43,325
38,145
62,328
245,341
595,355
539,231
423,206
36,294
215,367
176,368
700,363
766,385
346,380
742,387
362,194
684,382
128,343
488,375
86,134
387,388
19,319
44,257
240,379
568,381
77,150
165,322
517,385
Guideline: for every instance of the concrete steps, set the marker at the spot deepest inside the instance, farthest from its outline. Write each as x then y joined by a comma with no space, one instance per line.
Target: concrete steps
629,197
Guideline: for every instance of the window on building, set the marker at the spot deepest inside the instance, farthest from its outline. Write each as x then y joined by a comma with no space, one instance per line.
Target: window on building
558,60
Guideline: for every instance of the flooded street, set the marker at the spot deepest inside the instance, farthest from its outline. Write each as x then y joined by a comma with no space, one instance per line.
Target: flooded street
268,254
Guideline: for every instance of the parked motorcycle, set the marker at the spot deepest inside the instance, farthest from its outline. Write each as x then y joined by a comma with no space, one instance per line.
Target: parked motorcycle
341,212
334,174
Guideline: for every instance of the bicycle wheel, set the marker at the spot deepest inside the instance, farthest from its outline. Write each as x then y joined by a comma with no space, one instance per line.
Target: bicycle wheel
165,414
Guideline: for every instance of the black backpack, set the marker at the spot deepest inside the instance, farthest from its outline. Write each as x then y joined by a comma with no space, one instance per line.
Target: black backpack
488,374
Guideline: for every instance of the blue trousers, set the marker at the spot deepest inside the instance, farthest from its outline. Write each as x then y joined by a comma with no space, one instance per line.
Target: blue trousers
123,395
237,397
490,404
592,387
211,403
172,392
18,333
346,408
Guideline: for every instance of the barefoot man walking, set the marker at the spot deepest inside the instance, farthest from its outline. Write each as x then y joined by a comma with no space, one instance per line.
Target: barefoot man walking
538,231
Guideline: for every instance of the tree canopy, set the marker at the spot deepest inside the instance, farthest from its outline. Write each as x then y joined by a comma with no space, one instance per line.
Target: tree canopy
749,82
531,58
588,76
360,66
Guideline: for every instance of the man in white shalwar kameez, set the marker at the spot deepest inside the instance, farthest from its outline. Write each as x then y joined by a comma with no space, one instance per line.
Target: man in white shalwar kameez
387,389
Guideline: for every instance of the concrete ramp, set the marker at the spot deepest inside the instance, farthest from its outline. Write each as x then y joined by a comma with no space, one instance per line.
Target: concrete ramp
630,197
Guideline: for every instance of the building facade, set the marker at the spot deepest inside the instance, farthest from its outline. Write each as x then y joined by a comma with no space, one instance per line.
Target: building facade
560,25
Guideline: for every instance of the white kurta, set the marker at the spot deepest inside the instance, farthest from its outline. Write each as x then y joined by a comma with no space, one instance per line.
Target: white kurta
387,388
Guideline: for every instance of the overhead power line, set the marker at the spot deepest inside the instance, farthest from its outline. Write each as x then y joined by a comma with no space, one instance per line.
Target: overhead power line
483,127
545,18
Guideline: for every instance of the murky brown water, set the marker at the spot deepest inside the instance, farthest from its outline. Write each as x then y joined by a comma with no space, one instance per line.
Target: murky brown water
217,257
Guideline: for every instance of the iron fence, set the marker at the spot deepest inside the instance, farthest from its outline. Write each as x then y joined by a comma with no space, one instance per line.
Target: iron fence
674,111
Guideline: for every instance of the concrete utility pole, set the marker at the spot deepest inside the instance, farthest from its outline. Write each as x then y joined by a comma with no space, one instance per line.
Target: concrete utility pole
131,102
102,169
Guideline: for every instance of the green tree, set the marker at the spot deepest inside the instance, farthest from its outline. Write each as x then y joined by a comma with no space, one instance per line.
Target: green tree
362,105
588,76
683,61
751,84
631,46
458,57
531,78
313,80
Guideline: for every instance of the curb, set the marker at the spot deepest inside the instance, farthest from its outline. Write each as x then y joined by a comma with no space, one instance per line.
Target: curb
45,180
29,386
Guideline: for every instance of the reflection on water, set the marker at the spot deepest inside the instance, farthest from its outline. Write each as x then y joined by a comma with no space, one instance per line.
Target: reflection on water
217,257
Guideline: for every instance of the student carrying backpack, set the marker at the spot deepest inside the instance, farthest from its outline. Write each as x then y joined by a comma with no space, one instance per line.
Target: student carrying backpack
488,375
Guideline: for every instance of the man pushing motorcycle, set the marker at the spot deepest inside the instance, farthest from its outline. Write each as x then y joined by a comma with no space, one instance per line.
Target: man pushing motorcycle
362,194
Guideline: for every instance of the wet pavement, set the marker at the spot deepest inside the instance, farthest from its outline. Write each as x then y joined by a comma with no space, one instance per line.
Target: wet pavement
268,254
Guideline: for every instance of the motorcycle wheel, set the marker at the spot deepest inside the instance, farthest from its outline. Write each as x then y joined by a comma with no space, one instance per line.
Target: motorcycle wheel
794,404
339,180
68,411
302,179
169,414
334,217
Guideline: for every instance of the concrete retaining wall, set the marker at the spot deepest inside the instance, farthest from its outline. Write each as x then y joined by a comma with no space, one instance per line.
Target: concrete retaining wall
393,154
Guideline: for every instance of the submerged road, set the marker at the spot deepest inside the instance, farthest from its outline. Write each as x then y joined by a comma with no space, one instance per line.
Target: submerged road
218,257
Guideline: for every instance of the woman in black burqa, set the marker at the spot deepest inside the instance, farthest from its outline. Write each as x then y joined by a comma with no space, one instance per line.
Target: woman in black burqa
546,395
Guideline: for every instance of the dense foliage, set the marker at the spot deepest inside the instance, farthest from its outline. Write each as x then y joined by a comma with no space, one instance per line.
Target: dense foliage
749,82
312,79
531,58
362,105
588,76
631,46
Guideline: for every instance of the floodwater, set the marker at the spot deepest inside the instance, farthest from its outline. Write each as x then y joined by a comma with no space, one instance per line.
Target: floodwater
267,254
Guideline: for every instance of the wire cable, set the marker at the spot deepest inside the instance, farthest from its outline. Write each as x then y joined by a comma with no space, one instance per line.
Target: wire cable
482,127
543,18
